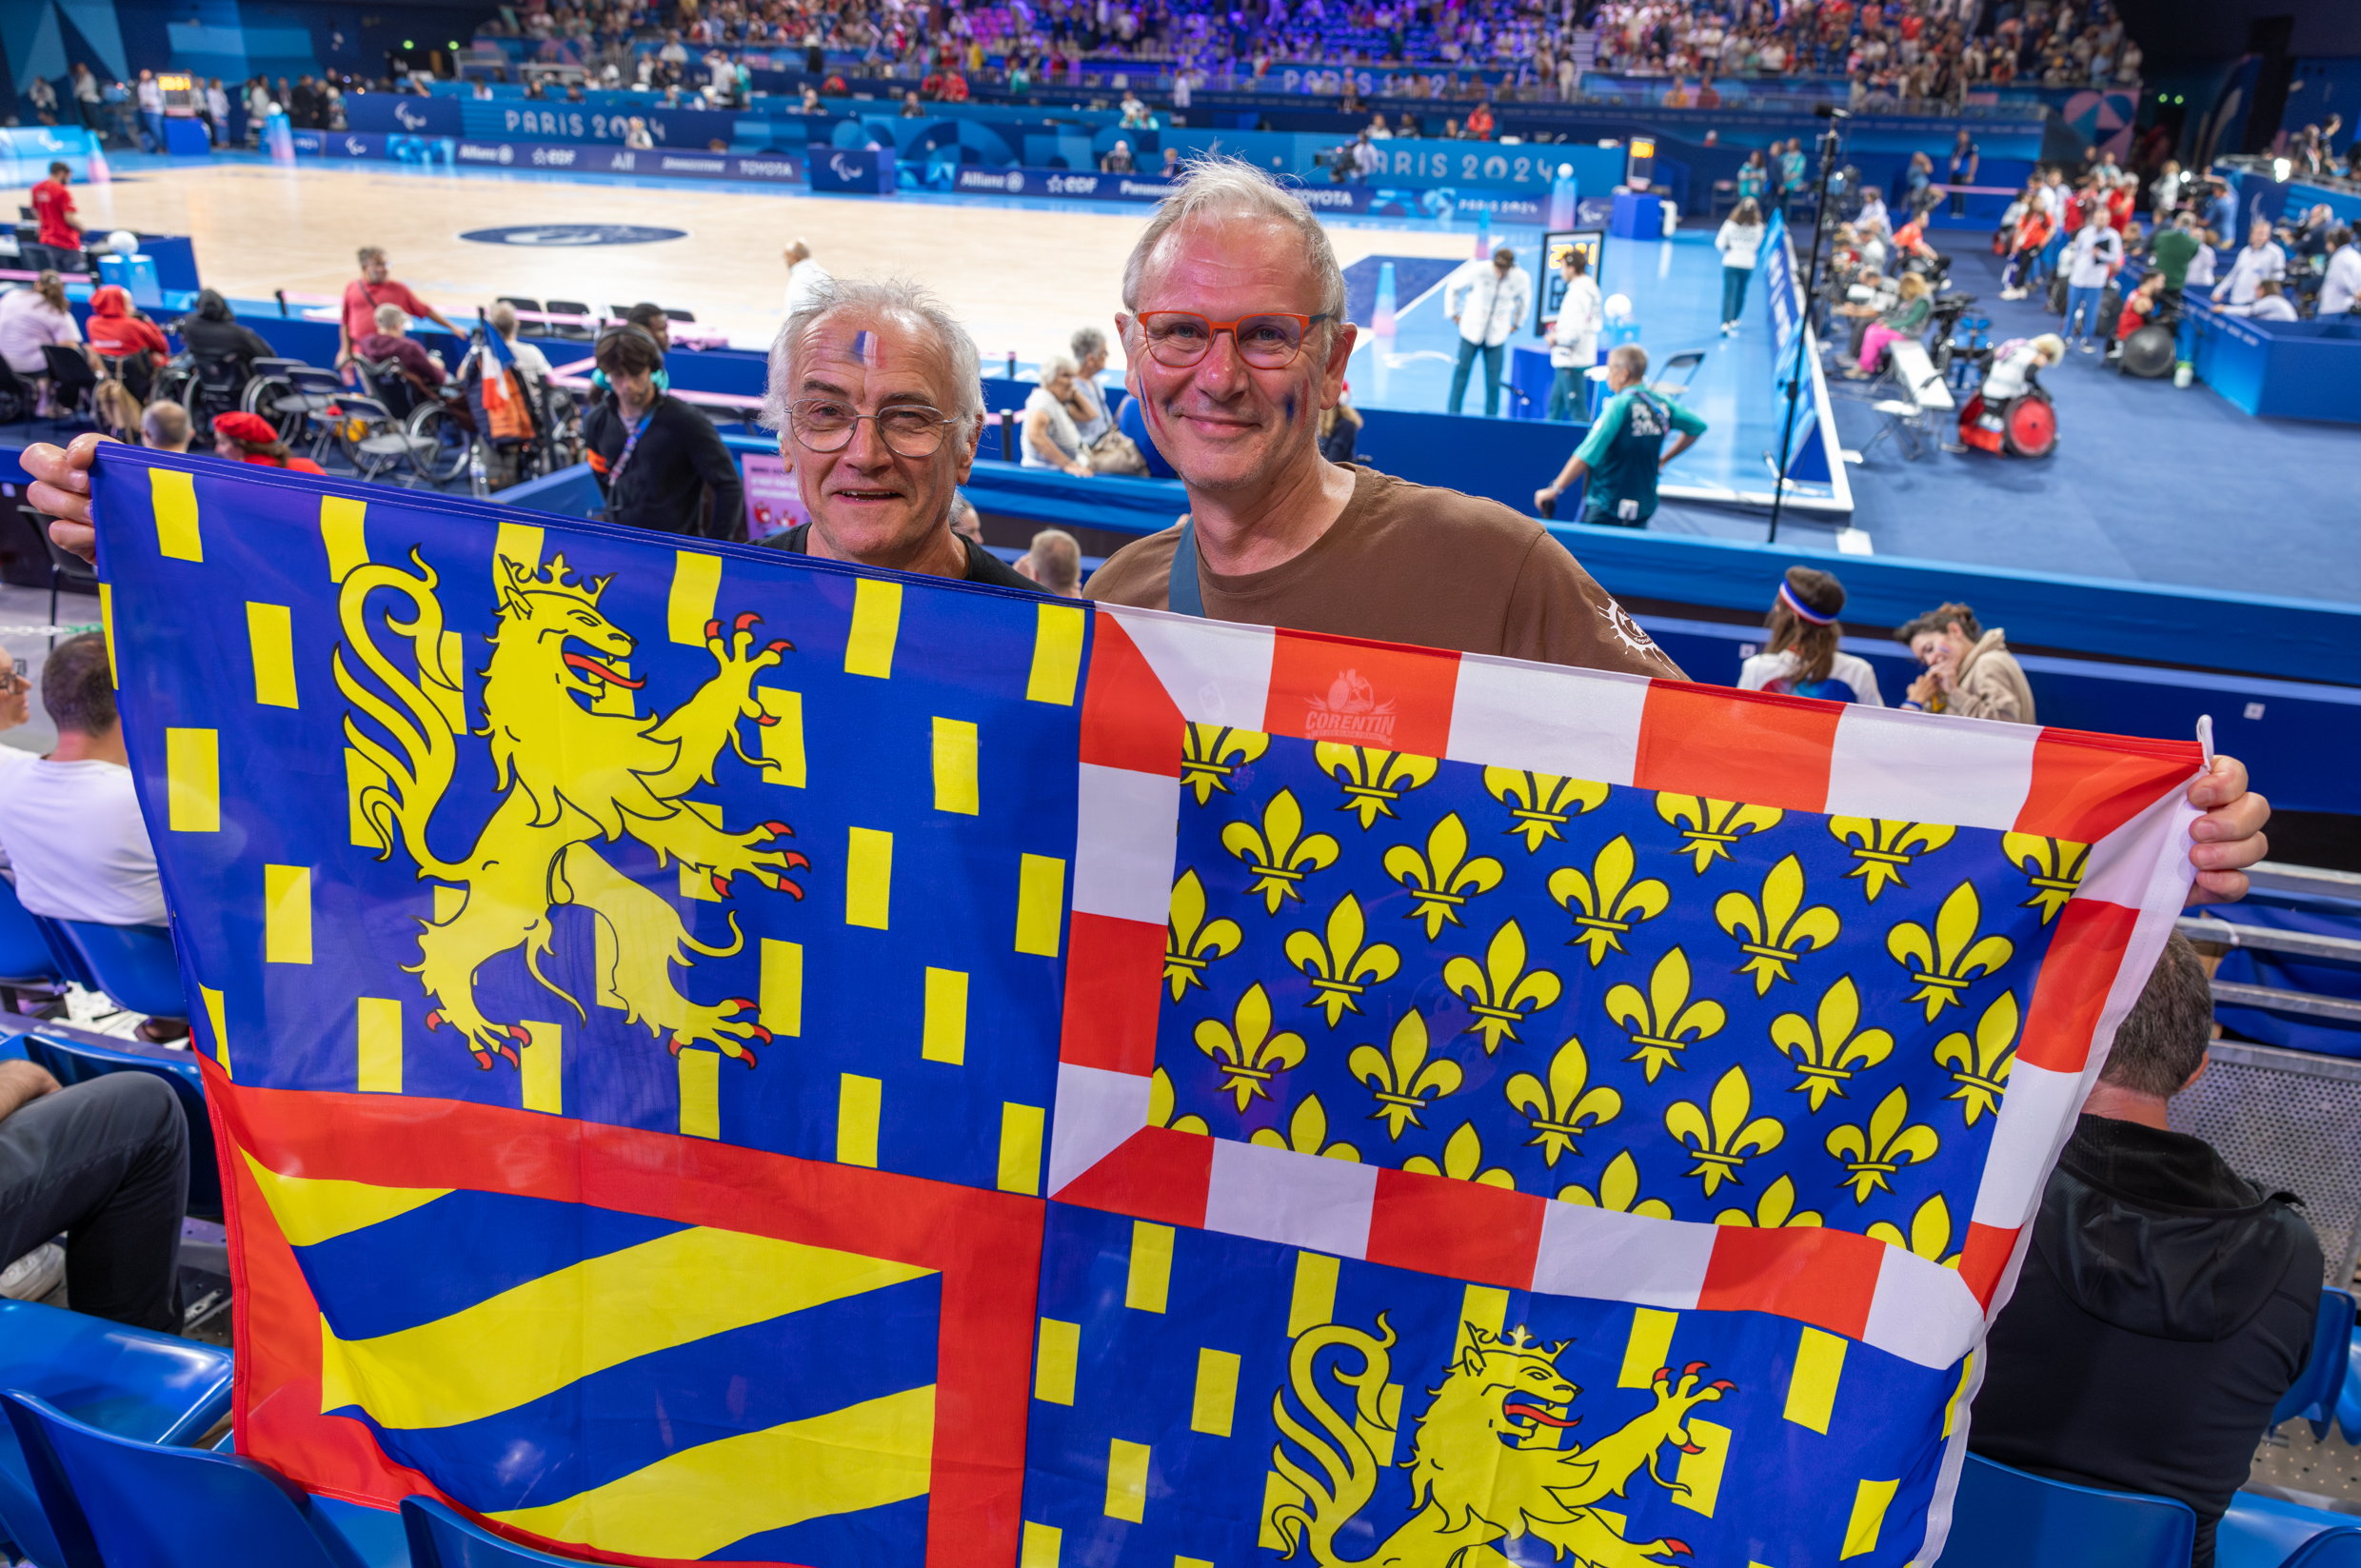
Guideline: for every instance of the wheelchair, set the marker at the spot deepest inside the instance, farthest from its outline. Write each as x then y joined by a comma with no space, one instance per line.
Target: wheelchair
204,387
396,422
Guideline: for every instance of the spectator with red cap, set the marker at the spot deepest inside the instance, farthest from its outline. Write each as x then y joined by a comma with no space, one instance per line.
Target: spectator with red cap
247,438
128,342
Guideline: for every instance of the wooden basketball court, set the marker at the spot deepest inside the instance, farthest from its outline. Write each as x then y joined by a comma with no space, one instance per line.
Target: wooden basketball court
1023,279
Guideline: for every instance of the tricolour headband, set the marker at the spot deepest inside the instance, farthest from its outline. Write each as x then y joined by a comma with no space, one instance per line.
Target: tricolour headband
1787,597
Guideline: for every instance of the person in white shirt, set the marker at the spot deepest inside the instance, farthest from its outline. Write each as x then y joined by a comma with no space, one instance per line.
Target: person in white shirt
2095,257
531,363
2200,273
2260,259
217,112
1574,336
1090,357
1739,239
1802,658
1487,301
150,95
805,275
2339,289
2271,304
71,821
1873,219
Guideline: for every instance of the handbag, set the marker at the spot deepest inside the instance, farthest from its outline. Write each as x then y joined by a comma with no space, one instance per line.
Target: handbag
1116,453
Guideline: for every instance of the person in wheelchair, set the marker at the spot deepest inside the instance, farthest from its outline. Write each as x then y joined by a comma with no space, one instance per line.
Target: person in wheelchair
128,343
212,333
391,348
1986,421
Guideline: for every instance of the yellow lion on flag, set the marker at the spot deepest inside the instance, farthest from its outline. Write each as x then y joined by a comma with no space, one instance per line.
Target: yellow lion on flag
573,767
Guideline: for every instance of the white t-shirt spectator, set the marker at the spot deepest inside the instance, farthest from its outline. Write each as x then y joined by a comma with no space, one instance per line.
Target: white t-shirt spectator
2097,251
2343,283
1739,244
1574,338
2249,267
13,761
531,361
27,322
1850,678
74,836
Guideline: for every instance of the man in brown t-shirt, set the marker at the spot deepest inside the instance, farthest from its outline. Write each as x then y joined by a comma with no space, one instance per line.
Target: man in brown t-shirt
1236,339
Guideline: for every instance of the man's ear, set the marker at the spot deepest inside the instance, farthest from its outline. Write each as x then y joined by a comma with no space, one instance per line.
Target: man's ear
2191,1082
1340,355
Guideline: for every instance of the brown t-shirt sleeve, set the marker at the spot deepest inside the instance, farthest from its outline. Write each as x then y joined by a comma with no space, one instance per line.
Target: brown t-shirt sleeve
1558,614
1139,574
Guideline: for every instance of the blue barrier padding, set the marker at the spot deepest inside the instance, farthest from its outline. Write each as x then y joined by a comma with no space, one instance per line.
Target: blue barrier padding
2277,370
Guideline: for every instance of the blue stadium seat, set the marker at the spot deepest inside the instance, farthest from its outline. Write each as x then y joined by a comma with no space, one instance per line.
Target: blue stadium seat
440,1539
144,1387
24,956
116,1501
2006,1518
2315,1393
68,956
1132,421
2260,1531
133,965
79,1058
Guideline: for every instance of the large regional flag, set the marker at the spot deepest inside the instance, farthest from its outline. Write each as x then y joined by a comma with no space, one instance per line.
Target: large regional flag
724,1057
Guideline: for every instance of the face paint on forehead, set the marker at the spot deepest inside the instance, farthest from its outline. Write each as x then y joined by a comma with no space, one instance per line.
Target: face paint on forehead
863,348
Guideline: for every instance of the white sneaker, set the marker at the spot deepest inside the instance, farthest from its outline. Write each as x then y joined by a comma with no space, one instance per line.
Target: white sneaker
34,1275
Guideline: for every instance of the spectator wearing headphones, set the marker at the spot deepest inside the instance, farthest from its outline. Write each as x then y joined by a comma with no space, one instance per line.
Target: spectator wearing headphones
659,464
1802,658
249,438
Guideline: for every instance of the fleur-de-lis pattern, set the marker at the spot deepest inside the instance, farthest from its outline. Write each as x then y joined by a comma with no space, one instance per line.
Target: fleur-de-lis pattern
1373,780
1829,1048
1340,962
1566,1108
1607,903
1712,826
1211,756
1278,851
1540,804
1404,1079
1885,850
1442,877
1191,941
1943,962
1776,930
1743,1041
1930,1233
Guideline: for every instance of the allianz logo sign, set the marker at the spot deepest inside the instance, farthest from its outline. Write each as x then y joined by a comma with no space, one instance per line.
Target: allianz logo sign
486,153
977,179
626,162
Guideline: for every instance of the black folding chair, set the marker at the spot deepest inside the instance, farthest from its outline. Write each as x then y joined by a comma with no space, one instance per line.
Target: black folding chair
670,314
520,302
66,570
71,380
579,331
1679,371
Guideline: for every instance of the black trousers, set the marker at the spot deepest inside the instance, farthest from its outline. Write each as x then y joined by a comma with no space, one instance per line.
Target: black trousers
106,1162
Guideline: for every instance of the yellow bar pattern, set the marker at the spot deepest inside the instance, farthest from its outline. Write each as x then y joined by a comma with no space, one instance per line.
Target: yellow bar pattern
286,914
859,1104
696,1501
1040,1546
1054,1365
1870,1502
1277,1489
1216,1403
1314,1301
877,621
1649,1348
1192,1563
534,1339
956,787
342,531
1127,1480
1701,1473
174,495
701,1094
783,743
1484,1307
695,583
944,1035
782,987
213,1011
192,777
270,633
868,878
543,1066
1951,1407
311,1209
1811,1387
1056,654
1021,1127
380,1045
107,624
1041,904
1150,1278
520,543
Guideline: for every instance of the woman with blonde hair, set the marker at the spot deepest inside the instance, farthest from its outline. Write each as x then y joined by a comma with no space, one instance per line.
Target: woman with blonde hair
1802,658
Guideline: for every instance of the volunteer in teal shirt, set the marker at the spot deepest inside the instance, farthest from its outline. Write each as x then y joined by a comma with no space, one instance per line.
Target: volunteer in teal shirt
1625,447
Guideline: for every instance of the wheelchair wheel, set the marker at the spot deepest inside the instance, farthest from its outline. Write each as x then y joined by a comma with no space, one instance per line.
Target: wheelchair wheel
2029,427
274,398
439,443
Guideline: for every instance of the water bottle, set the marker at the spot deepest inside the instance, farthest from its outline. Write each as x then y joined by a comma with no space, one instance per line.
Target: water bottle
1563,194
1381,320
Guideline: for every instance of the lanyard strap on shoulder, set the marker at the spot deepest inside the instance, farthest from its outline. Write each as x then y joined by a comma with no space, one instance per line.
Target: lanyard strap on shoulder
1183,594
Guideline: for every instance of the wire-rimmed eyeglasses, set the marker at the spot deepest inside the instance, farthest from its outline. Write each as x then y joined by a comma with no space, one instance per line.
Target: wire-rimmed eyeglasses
908,429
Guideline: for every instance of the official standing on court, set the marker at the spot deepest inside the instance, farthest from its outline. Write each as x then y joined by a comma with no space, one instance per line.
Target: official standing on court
1625,451
1487,301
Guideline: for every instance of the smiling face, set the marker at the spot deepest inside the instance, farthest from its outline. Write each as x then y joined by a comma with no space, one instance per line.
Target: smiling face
1223,423
867,501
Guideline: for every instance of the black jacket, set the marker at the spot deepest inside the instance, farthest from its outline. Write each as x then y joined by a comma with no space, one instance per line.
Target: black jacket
982,565
680,456
2166,1305
222,339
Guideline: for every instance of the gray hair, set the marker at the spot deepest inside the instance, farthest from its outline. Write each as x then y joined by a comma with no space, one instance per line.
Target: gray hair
504,319
1230,188
893,296
1087,341
1052,366
388,317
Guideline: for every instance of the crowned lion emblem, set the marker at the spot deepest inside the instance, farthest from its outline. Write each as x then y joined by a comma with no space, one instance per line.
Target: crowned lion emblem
575,768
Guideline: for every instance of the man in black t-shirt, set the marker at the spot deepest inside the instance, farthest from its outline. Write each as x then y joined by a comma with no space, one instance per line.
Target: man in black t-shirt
879,402
2167,1302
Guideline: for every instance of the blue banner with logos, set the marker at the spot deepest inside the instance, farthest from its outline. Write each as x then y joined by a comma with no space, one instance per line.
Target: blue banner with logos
403,114
523,120
458,151
862,170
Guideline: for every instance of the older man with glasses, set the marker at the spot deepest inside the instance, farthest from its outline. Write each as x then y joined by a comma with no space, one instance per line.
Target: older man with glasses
877,400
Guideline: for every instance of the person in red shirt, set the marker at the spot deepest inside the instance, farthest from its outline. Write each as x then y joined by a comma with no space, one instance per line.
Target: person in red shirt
2032,233
127,340
373,287
954,87
247,438
53,205
1479,122
2121,197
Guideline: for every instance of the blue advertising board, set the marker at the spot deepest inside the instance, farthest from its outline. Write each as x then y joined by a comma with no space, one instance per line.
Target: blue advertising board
402,114
864,170
769,168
